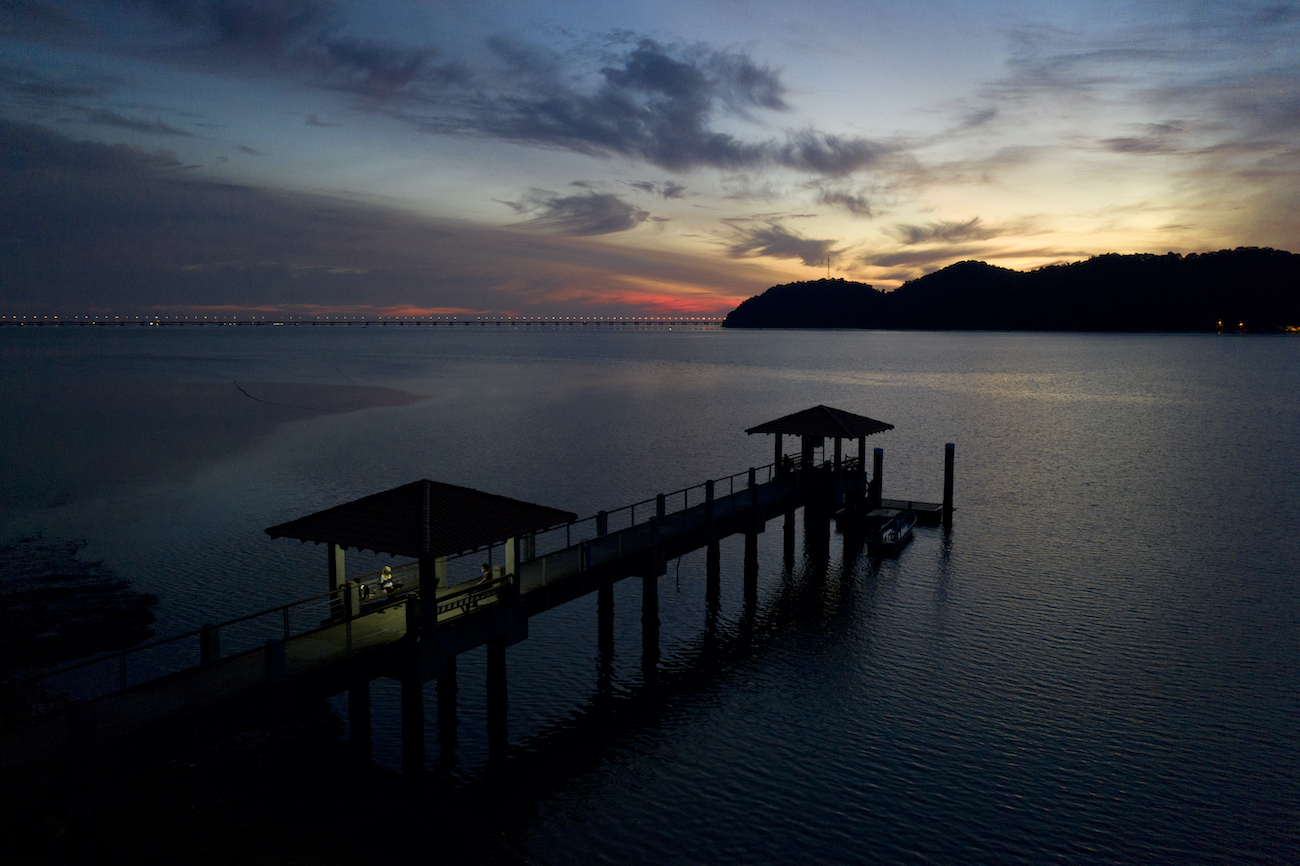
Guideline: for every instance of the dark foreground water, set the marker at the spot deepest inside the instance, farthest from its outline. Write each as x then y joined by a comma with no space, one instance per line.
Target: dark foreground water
1100,663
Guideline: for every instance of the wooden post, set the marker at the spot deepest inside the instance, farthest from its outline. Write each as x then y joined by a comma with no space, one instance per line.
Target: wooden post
447,721
337,575
660,506
948,450
602,523
496,699
649,628
861,485
777,455
605,617
276,670
512,555
788,539
708,508
751,569
412,721
209,644
877,483
359,717
712,591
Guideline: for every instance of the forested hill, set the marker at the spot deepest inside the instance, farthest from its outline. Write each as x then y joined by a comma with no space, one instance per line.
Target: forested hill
1247,288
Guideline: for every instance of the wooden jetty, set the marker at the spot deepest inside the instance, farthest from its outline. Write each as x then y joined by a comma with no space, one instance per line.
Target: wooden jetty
355,632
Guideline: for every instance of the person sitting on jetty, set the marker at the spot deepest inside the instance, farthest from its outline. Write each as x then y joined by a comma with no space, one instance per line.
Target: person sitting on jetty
386,580
486,573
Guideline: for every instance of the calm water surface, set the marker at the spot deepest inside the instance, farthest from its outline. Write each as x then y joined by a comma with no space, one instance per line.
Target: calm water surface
1100,663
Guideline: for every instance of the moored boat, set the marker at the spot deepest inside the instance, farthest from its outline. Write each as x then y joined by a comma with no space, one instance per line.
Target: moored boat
893,535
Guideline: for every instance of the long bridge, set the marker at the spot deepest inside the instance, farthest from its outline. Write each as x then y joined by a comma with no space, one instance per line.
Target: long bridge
357,631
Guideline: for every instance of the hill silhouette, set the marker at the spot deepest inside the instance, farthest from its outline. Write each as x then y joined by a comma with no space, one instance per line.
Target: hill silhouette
1249,288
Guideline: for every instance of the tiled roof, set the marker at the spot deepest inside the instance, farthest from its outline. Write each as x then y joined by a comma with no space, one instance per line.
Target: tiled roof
426,518
824,421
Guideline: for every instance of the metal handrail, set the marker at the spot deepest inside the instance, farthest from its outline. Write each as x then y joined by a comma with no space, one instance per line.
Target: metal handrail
283,609
467,588
770,471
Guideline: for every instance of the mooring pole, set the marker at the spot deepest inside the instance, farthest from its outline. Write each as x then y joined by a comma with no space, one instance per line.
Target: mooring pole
787,539
447,721
751,569
496,699
605,617
877,481
359,717
713,566
649,628
412,722
948,450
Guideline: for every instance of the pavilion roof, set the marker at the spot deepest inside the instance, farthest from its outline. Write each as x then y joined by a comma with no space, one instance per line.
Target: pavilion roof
423,518
824,421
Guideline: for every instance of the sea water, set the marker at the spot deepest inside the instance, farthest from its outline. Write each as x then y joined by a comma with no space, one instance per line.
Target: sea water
1099,663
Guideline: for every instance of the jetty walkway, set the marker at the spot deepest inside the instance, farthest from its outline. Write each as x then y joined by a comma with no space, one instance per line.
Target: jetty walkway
344,638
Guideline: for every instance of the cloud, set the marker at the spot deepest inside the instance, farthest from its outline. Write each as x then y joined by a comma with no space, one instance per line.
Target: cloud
162,239
656,102
778,242
1153,138
248,150
855,203
111,118
915,258
948,232
668,189
578,215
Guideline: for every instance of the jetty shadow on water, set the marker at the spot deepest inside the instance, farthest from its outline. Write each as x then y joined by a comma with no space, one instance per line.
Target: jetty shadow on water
818,596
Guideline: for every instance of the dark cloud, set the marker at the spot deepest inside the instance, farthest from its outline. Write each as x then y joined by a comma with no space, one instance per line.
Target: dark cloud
1230,66
104,117
1155,138
160,239
854,202
910,263
380,69
948,232
27,151
35,86
313,120
777,241
248,150
667,189
657,103
33,19
916,258
647,100
578,215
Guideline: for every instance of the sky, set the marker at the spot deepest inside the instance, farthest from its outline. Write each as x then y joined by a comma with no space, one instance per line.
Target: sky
315,158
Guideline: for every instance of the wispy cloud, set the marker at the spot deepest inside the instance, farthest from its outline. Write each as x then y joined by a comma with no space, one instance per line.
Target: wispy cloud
647,100
853,201
776,241
578,215
160,237
152,127
945,231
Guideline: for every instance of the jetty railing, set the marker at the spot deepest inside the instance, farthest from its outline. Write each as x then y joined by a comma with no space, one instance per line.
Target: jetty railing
564,551
120,670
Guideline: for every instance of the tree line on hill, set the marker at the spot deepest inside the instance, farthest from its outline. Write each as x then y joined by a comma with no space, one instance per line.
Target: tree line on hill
1249,288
